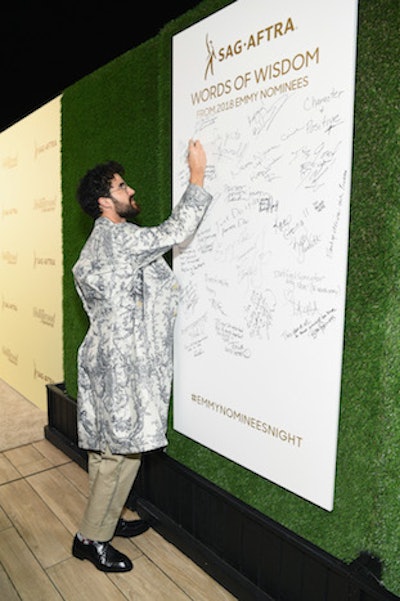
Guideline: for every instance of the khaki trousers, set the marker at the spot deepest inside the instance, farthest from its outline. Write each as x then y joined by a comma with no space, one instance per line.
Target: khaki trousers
111,478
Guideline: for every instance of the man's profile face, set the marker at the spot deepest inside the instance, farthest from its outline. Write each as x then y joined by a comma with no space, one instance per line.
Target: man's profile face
122,196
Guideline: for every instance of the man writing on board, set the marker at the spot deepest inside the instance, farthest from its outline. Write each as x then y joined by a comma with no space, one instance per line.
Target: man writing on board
130,295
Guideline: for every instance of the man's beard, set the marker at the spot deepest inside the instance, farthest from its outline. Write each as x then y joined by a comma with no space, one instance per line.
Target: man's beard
128,212
125,211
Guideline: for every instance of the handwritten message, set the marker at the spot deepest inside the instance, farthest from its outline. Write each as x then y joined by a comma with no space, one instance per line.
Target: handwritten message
263,281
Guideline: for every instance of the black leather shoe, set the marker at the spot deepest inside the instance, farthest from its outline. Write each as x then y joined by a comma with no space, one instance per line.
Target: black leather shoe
102,555
131,528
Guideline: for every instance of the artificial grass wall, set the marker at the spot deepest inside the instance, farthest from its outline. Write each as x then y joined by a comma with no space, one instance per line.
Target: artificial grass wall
123,112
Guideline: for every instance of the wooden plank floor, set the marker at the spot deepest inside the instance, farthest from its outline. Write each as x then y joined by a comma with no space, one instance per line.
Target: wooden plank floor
42,497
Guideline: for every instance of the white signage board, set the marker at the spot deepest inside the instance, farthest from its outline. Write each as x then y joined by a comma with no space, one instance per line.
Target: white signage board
268,88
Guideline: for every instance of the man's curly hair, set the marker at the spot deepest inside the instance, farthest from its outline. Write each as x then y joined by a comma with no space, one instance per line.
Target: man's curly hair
95,183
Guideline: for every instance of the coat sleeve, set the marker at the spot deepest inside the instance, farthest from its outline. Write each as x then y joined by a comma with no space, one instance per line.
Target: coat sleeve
148,243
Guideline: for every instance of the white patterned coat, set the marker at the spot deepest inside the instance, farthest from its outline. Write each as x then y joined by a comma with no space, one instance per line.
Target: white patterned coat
130,295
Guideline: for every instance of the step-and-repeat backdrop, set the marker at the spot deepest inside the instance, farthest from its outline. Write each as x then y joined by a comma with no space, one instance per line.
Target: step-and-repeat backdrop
31,253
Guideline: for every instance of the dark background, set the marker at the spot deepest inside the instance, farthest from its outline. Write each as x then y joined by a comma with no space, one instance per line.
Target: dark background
46,48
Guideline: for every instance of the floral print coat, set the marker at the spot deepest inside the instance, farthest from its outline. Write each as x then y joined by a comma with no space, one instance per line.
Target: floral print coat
130,295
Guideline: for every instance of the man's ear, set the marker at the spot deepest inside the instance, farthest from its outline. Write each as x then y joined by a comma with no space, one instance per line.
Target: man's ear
104,202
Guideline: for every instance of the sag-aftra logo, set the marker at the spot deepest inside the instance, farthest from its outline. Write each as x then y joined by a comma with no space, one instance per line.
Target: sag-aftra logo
247,42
